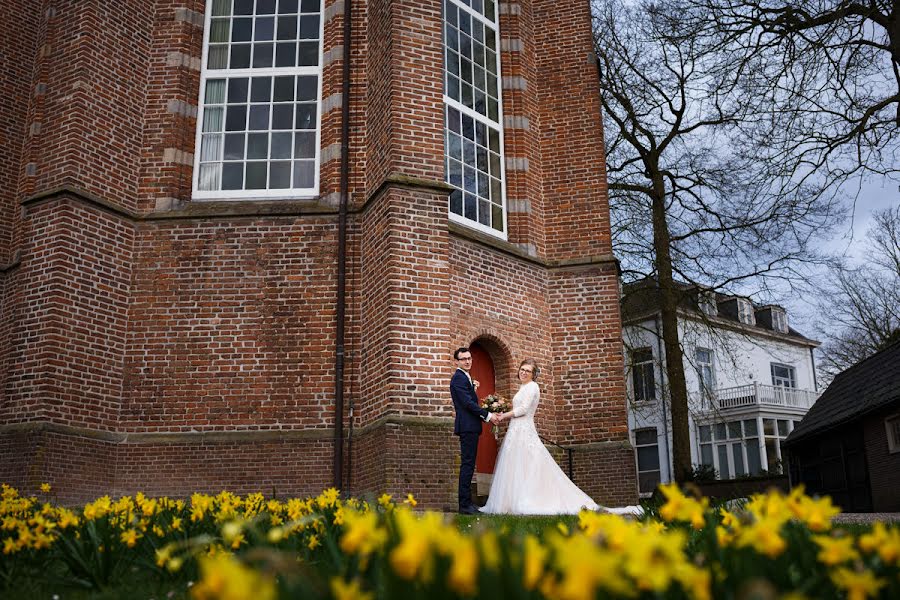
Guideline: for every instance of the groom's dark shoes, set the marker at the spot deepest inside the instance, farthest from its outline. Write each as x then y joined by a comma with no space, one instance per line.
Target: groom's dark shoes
468,510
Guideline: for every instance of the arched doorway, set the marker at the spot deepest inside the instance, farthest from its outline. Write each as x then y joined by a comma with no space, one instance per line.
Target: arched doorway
483,372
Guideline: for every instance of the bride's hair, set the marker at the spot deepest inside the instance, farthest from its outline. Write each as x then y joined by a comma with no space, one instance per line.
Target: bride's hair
536,370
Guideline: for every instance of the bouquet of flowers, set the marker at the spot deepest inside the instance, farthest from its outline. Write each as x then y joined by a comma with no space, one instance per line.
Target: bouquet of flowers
496,403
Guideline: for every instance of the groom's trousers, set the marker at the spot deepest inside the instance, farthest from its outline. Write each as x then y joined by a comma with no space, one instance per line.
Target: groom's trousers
468,448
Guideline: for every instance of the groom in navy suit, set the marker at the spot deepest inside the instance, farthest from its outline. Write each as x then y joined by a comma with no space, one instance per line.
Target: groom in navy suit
467,426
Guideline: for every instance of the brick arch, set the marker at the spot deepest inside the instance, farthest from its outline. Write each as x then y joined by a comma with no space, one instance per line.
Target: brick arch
501,354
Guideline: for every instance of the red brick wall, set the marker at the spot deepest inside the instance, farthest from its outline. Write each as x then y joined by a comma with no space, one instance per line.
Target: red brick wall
231,325
95,75
200,336
283,468
884,467
19,33
69,341
572,162
78,467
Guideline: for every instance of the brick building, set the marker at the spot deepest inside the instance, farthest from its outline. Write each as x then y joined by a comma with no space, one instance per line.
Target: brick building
173,191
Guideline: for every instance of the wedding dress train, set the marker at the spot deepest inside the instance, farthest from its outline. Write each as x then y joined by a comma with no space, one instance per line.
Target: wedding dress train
527,481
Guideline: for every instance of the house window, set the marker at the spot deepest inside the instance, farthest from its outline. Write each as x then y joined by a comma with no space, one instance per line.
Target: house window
732,448
646,444
783,376
706,375
706,301
893,433
774,433
779,320
745,312
642,375
474,116
260,87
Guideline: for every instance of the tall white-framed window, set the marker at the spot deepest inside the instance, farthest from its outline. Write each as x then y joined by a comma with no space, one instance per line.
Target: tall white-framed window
643,377
745,312
474,115
779,320
646,444
775,431
784,379
258,122
706,374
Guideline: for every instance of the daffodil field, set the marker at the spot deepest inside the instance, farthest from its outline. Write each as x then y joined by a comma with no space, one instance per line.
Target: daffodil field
251,547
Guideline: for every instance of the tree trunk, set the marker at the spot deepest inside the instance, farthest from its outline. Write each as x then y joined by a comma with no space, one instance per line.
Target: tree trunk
681,449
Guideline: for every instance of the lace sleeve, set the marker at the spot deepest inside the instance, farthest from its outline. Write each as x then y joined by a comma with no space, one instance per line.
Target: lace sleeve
531,394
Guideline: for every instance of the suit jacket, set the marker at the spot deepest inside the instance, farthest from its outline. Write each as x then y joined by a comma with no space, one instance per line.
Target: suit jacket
469,413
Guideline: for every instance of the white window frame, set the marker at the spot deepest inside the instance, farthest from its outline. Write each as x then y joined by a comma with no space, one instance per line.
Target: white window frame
637,461
728,442
892,428
707,388
256,194
745,312
644,364
706,302
779,320
789,382
776,435
478,117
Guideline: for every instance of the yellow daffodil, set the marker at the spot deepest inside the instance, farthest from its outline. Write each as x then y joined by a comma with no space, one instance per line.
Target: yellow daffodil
858,585
385,500
464,564
490,550
884,541
816,513
313,542
9,545
533,562
764,537
681,508
45,487
362,534
834,551
328,498
98,508
410,500
226,578
129,537
343,590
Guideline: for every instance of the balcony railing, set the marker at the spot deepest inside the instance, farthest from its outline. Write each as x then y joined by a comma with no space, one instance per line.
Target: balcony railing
757,394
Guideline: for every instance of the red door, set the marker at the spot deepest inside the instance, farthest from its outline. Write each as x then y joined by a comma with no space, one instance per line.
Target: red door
483,372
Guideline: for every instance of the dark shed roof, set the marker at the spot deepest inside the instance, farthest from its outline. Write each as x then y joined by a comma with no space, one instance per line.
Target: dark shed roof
867,386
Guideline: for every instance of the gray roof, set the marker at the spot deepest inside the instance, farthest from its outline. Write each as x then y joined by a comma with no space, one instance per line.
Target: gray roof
868,386
641,299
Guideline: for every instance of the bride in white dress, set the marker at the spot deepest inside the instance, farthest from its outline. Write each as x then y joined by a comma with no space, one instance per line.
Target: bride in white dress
527,481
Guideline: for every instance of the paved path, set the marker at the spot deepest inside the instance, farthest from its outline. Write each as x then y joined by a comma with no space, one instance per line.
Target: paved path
867,518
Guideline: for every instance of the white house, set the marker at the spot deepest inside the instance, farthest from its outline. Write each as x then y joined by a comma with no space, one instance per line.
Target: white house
750,379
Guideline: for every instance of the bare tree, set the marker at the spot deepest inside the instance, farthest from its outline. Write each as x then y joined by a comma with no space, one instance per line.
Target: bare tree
860,309
688,203
825,72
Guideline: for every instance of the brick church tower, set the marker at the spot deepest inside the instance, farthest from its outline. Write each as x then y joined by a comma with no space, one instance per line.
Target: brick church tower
229,262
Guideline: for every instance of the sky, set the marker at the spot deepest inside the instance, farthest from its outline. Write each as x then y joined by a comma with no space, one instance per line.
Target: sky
849,240
874,195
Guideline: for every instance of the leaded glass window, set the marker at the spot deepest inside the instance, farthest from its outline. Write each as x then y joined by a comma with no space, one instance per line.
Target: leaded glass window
473,117
260,90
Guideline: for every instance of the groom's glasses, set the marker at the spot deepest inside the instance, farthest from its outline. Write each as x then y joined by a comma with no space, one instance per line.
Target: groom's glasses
523,370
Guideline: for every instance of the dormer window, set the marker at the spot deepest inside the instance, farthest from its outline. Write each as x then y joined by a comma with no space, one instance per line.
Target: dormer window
706,302
779,320
745,312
